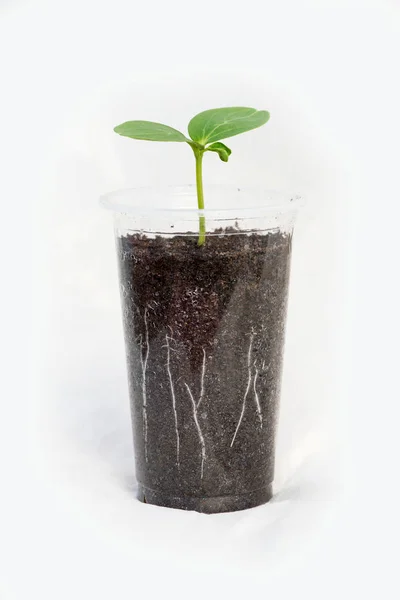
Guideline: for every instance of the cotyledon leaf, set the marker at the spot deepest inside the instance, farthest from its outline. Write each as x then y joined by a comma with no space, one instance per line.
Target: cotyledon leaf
147,130
221,123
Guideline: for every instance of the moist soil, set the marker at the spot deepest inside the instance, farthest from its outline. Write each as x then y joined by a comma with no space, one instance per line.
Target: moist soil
204,332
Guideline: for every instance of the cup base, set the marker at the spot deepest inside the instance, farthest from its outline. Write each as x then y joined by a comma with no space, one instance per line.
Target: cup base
218,504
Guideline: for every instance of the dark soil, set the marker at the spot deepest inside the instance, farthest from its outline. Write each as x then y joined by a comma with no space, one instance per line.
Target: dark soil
204,331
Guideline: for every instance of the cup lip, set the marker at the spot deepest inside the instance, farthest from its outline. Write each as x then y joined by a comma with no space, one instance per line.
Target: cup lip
134,201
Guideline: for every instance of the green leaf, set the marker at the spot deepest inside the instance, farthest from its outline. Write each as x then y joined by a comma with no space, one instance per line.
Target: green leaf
146,130
223,151
221,123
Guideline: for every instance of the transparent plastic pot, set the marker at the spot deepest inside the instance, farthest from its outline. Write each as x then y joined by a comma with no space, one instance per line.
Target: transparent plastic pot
204,334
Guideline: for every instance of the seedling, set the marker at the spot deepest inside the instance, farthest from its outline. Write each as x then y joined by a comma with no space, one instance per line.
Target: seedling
205,130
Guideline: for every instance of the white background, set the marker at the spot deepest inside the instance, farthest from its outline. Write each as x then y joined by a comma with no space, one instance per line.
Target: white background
328,73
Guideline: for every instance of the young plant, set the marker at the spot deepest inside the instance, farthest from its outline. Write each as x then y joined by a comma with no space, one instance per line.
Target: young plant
205,130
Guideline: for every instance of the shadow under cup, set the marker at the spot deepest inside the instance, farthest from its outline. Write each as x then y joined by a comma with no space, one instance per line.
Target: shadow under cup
204,333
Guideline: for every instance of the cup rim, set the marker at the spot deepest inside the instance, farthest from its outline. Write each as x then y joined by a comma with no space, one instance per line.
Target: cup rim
152,200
